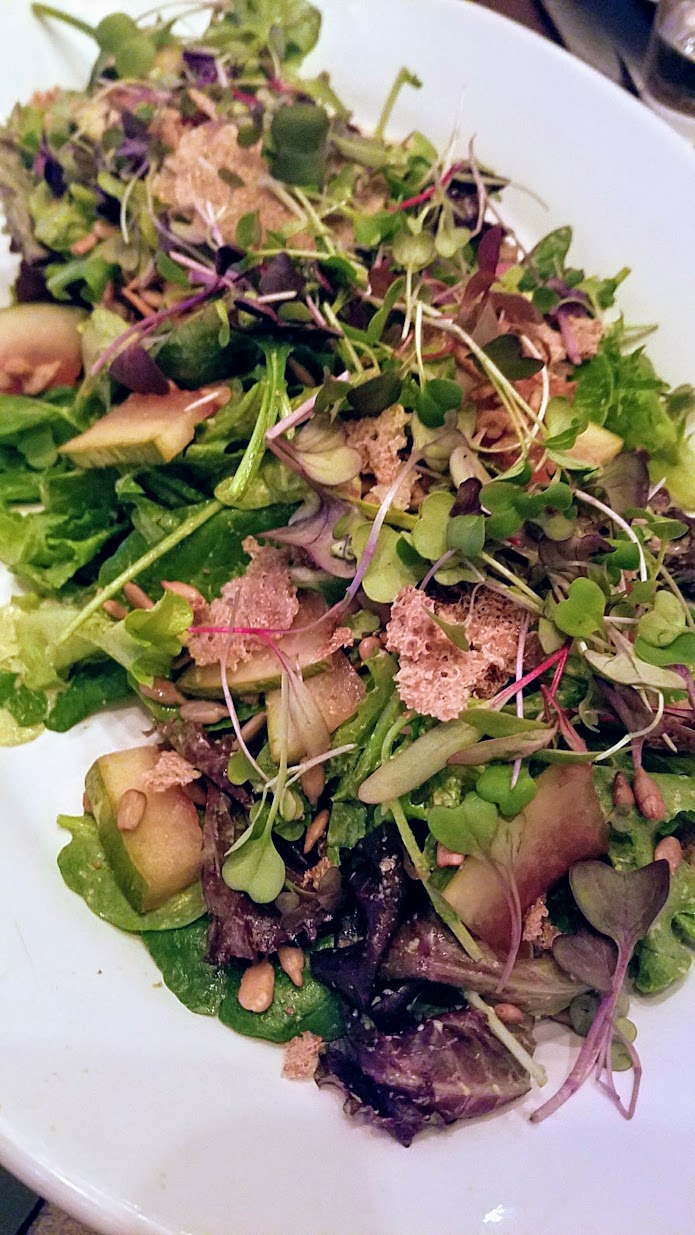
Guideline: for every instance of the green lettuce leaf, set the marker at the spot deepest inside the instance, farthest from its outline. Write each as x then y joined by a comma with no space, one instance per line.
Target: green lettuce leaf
90,688
622,391
209,558
147,640
85,869
347,826
633,838
28,707
59,221
180,955
294,1010
663,956
48,547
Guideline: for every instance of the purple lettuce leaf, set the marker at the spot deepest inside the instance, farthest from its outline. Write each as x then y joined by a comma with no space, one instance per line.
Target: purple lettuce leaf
48,166
201,65
135,369
425,949
280,275
240,929
312,531
449,1067
210,757
378,885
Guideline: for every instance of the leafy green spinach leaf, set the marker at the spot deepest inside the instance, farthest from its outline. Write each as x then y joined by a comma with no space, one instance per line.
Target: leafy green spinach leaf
86,871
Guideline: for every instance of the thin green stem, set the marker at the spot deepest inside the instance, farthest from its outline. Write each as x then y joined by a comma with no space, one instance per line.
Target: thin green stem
230,491
535,1070
396,728
42,11
350,355
512,578
404,78
448,915
320,227
394,518
148,559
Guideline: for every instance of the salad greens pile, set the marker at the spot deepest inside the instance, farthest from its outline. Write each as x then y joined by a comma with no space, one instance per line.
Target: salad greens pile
382,519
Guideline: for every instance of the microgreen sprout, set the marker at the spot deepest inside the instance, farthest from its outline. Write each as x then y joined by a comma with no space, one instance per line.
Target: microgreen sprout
621,905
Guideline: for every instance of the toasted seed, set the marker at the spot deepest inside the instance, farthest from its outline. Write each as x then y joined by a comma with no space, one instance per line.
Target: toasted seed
292,962
623,797
131,809
257,987
137,597
84,245
115,609
312,782
368,647
670,849
163,691
86,804
203,711
189,593
447,857
509,1014
648,796
253,727
316,830
102,230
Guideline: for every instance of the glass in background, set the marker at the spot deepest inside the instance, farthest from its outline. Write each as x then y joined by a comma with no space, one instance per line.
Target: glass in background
670,64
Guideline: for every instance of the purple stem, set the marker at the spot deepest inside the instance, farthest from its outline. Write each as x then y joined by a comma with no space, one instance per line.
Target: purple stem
147,325
686,675
594,1043
563,318
437,566
511,893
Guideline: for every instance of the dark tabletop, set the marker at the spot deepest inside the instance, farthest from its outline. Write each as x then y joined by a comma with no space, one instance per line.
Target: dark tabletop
524,11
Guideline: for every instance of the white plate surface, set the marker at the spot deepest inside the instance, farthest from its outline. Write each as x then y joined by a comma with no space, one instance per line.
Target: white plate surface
141,1118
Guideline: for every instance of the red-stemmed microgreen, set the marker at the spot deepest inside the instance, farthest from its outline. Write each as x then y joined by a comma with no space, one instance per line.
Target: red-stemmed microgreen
565,726
622,906
509,692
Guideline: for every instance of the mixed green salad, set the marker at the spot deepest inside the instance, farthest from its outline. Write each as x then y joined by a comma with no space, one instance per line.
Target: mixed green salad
379,516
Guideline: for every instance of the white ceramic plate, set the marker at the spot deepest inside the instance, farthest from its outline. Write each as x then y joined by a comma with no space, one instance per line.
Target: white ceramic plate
138,1116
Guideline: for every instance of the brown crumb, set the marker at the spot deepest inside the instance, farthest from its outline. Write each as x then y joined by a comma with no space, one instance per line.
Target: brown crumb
378,440
170,769
302,1056
190,180
313,877
538,929
437,678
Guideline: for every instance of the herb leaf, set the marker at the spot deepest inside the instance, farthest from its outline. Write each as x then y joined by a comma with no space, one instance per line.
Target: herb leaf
620,904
